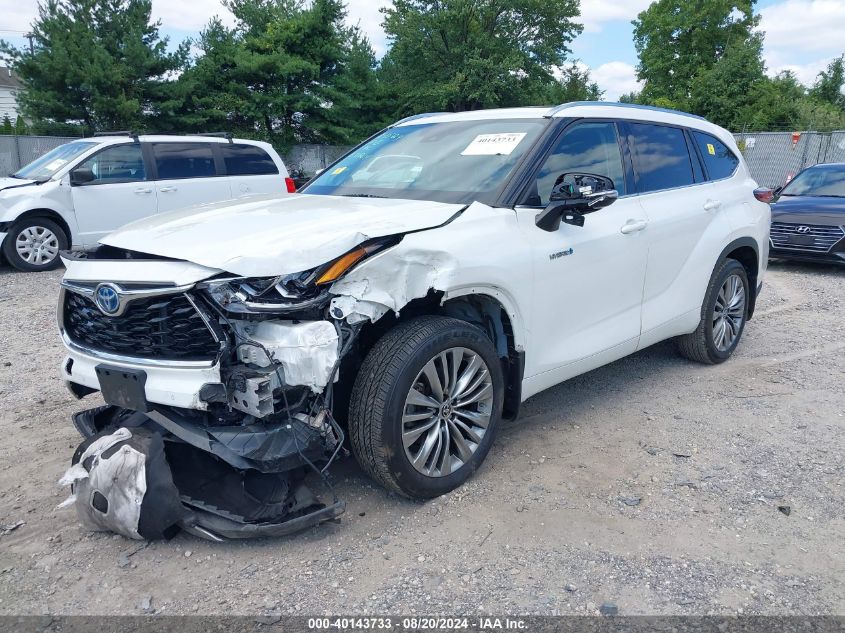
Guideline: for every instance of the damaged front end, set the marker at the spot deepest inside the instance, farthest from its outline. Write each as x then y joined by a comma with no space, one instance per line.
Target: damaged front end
221,388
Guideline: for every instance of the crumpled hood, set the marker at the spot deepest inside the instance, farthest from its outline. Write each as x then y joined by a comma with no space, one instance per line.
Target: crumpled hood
9,183
267,236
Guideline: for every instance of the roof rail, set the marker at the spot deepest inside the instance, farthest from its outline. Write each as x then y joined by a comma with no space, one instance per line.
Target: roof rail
121,133
227,135
415,117
573,104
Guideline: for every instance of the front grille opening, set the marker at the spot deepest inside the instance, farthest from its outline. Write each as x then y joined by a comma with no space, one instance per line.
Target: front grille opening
805,237
165,327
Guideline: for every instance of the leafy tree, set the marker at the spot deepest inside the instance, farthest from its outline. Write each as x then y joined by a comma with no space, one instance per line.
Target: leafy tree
6,127
469,54
574,84
274,74
725,91
679,41
20,126
829,83
100,63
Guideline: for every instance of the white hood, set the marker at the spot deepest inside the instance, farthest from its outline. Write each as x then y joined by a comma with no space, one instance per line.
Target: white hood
7,183
262,237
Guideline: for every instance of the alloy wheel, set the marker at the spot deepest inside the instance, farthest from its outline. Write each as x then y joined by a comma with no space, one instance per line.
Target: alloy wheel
729,313
447,412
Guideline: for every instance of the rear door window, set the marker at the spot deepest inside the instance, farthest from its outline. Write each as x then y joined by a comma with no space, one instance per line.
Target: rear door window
661,157
719,160
184,160
247,160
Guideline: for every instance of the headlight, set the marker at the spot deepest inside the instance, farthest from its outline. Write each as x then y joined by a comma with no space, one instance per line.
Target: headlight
288,293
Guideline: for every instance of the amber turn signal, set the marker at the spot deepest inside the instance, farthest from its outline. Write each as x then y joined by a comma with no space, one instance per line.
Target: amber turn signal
341,265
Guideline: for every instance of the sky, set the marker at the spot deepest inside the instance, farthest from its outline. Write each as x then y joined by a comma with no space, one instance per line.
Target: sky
801,35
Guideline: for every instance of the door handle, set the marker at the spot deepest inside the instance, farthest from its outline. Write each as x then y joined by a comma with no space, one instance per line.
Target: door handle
712,205
633,226
167,189
142,190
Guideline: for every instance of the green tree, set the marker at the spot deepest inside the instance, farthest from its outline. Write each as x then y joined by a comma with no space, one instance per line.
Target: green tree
21,127
98,63
274,74
574,84
679,41
469,54
6,127
828,86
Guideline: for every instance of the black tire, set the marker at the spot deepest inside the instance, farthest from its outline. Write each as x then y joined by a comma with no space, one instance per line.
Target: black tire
10,244
700,346
378,402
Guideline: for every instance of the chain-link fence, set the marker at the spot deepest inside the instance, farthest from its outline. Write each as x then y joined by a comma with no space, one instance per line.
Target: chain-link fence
17,151
775,157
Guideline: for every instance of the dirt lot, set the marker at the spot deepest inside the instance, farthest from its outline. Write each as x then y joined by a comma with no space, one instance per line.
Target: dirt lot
653,484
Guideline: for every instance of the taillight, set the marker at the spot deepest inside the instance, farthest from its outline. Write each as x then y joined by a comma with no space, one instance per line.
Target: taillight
764,194
291,185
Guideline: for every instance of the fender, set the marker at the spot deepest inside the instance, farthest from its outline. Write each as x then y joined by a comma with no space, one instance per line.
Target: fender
745,242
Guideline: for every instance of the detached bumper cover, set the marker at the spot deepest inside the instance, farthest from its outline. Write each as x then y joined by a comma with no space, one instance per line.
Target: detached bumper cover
218,499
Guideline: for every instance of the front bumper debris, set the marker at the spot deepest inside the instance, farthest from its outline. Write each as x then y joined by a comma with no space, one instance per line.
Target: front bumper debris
216,483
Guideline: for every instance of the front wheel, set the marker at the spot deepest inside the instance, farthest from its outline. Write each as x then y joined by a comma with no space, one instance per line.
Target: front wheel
425,406
723,316
33,244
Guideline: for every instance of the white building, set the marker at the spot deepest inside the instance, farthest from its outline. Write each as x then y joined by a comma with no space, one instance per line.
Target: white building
9,87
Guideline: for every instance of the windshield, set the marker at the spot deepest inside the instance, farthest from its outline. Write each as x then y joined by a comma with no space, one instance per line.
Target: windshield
43,168
457,162
823,181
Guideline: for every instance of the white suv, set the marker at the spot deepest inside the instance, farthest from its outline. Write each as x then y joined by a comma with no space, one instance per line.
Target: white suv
83,190
417,291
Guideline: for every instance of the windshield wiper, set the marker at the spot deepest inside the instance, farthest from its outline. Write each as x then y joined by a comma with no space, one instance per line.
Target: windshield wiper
361,195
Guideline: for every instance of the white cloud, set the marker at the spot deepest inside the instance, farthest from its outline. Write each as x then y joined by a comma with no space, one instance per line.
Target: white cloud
802,36
596,12
616,79
189,15
366,14
804,26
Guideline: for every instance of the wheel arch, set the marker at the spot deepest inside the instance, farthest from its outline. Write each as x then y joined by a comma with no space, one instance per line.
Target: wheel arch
43,212
746,251
483,307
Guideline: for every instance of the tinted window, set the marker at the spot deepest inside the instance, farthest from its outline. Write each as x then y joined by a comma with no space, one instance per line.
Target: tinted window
719,160
247,160
661,157
122,163
590,148
184,160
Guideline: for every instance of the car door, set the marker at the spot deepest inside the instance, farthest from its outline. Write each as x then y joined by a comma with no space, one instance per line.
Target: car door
587,280
187,174
116,190
251,171
680,205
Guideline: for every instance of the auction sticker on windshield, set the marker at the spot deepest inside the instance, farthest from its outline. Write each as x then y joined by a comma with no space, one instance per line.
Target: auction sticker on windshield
494,144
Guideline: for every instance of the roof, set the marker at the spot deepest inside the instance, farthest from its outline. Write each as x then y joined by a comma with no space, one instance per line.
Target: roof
8,79
581,109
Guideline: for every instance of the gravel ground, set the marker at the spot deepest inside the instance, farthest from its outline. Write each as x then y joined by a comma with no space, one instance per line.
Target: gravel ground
653,484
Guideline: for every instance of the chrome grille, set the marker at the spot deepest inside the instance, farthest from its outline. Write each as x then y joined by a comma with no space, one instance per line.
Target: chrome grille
165,327
819,239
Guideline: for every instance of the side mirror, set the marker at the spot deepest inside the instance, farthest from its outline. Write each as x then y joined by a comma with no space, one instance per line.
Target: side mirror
573,196
81,176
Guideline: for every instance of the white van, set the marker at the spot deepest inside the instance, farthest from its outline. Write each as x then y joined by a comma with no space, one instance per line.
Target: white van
83,190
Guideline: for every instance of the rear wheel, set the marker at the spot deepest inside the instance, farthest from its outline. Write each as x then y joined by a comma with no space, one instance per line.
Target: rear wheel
425,406
723,316
34,244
